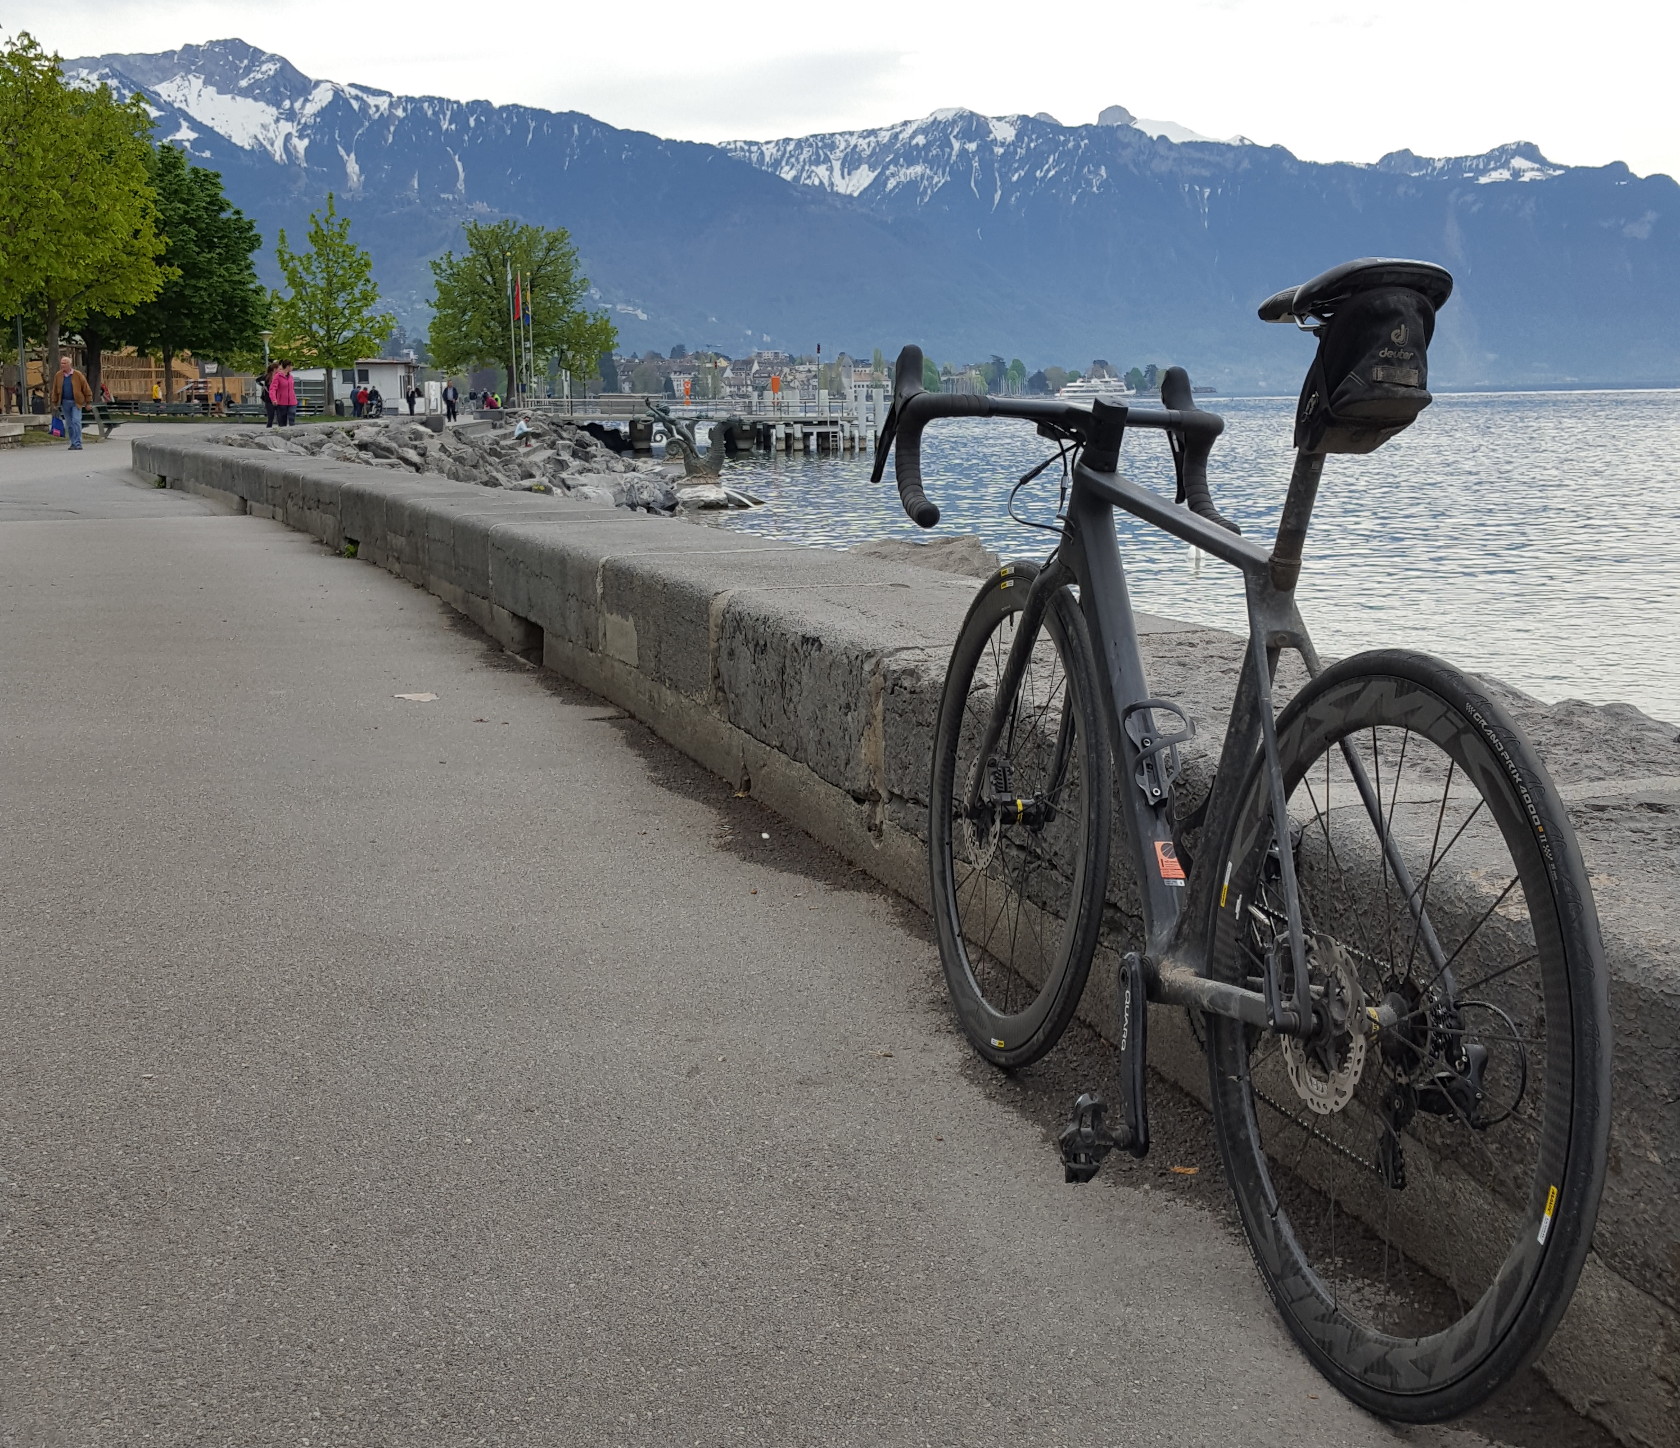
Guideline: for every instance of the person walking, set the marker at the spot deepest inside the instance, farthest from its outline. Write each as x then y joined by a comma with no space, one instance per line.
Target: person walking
73,394
283,392
413,397
451,400
267,399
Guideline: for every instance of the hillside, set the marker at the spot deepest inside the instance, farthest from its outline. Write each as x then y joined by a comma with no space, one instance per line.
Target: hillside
971,234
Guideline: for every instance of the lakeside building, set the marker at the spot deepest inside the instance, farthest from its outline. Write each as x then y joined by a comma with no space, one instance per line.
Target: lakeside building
393,376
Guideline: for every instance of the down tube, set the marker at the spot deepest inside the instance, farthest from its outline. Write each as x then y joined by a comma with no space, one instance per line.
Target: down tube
1107,606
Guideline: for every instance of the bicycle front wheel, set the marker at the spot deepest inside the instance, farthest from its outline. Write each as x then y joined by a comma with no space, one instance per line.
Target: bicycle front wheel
1420,1196
1018,841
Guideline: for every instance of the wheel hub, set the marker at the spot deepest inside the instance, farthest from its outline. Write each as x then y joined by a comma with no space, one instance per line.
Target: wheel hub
1325,1067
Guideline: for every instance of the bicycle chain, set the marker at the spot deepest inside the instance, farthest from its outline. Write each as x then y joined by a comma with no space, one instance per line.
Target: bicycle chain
1281,1109
1330,1142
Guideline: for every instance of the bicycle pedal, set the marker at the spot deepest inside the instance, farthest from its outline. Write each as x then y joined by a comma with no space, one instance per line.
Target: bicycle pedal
1086,1140
1132,994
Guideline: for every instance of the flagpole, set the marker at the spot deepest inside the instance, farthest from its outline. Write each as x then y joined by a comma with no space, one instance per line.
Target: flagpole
528,333
513,346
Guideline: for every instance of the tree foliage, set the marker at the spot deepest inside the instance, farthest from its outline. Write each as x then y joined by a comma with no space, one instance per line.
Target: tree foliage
470,321
213,305
78,230
329,315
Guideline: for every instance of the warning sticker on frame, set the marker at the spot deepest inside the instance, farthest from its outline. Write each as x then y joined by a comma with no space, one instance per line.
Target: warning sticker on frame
1166,858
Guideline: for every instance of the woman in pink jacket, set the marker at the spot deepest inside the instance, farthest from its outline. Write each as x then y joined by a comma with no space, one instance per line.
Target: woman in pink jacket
282,392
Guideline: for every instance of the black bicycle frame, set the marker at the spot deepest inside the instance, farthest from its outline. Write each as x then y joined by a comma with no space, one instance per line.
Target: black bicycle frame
1180,915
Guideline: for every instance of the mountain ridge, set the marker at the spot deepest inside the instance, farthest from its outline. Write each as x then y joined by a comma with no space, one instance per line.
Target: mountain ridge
971,234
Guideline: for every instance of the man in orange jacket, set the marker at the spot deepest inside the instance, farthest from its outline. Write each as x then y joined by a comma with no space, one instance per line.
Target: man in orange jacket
70,394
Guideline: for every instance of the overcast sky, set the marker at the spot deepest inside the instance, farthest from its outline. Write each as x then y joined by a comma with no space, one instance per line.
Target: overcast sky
1331,80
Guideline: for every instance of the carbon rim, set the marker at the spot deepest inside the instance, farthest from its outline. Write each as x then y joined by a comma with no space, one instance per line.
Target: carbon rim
1013,876
1404,1232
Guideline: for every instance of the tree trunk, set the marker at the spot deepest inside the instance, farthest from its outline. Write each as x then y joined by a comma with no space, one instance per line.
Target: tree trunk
50,366
93,353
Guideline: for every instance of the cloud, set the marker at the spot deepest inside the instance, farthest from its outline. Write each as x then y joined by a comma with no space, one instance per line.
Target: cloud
1299,72
717,99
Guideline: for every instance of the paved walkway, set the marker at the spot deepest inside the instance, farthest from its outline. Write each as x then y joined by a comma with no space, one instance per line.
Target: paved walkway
475,1071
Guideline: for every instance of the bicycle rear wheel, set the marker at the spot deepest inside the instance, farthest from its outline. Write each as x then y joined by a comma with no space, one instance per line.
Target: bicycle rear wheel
1419,1200
1018,842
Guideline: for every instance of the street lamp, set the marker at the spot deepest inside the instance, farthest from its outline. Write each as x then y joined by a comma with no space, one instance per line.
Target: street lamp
265,336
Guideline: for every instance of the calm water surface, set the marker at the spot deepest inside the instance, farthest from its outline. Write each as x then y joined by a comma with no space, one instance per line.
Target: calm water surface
1531,536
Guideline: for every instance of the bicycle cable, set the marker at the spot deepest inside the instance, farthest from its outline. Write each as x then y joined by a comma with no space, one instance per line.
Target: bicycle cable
1061,455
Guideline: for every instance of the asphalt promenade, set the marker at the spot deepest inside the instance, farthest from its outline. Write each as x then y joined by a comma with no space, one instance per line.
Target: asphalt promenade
474,1070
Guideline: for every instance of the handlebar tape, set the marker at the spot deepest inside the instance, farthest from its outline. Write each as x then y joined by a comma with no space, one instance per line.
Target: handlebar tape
913,407
907,457
1201,430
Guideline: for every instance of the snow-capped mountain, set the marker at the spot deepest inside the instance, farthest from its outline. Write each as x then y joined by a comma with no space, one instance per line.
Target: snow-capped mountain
1128,239
681,241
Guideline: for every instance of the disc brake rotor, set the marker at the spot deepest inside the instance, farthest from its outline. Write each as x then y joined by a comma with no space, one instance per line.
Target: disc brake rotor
1325,1070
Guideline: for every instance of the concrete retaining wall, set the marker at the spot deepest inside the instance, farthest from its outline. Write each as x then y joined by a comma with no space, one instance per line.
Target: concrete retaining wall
811,678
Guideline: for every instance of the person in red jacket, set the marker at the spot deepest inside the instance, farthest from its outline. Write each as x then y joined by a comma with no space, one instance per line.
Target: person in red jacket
282,392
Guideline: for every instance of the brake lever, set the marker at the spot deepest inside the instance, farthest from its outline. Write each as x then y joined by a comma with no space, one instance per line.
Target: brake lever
884,444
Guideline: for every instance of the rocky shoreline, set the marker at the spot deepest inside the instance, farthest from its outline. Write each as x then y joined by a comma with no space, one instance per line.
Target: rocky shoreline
533,456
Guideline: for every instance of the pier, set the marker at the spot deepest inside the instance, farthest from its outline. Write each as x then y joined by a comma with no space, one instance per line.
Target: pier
792,423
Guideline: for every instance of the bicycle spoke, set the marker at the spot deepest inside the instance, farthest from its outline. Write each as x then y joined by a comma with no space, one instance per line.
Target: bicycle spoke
1474,931
1429,871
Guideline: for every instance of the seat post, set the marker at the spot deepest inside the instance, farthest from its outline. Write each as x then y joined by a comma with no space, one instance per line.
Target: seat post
1297,514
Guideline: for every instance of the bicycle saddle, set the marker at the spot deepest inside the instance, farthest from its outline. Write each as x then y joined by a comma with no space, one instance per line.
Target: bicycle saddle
1321,296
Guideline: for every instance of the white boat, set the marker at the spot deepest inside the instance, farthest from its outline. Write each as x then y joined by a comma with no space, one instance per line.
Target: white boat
1088,389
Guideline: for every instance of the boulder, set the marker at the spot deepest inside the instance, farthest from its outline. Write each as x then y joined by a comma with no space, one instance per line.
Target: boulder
703,495
966,555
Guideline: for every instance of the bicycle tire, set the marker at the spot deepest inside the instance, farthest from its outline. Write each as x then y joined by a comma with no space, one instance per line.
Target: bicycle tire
1495,1246
1059,863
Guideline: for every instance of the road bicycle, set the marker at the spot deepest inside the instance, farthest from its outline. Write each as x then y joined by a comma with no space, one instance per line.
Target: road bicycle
1376,916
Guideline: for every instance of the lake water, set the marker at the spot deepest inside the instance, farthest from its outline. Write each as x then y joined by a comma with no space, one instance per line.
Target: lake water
1531,536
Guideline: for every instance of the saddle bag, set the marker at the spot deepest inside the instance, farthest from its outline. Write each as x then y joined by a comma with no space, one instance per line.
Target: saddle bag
1370,378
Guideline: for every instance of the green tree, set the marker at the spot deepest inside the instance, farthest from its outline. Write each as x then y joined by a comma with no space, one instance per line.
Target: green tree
1055,379
1017,375
471,320
78,229
930,376
213,306
1134,379
606,367
1151,378
329,317
708,374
